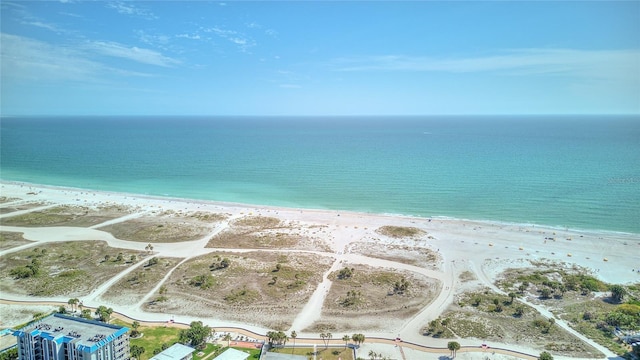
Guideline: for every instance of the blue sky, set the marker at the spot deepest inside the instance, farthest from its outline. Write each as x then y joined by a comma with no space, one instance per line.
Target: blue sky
319,58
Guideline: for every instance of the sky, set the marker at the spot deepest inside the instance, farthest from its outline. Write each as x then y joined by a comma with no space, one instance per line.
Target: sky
319,57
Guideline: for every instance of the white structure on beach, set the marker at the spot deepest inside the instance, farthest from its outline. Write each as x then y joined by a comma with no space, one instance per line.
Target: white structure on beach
59,337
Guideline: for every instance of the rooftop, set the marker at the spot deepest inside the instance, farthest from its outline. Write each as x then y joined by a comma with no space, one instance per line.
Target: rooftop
175,352
280,356
82,332
232,354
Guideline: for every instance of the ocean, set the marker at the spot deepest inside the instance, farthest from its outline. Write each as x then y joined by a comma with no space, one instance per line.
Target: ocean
578,172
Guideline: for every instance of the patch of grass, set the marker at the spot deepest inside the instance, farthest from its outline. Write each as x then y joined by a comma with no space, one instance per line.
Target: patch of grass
66,215
67,268
210,348
400,231
263,222
591,318
375,295
209,217
139,282
252,240
241,296
478,317
159,229
248,279
9,240
153,337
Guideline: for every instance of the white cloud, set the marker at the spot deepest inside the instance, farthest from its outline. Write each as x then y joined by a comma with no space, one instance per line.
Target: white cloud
592,63
145,56
271,32
159,41
42,25
244,43
130,9
28,59
189,36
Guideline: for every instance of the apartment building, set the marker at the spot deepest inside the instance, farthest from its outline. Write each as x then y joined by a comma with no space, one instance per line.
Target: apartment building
60,337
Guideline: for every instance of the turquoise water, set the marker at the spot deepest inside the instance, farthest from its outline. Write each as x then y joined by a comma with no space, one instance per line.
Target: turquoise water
569,171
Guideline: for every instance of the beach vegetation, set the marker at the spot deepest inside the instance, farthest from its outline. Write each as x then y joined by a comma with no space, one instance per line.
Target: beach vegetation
163,228
353,298
67,215
517,323
400,231
263,222
243,296
345,273
545,356
618,292
63,269
203,281
220,263
9,240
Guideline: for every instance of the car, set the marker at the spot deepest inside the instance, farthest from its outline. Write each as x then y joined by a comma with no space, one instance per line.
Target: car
398,339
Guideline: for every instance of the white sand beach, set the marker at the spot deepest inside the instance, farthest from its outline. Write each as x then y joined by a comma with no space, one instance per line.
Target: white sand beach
482,248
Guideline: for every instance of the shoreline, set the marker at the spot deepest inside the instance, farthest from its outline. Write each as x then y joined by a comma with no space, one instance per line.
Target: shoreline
168,198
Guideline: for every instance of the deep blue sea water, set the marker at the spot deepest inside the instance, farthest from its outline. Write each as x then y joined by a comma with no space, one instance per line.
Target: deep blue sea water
568,171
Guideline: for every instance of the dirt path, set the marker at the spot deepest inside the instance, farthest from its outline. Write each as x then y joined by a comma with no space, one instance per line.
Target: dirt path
312,310
22,212
120,219
106,285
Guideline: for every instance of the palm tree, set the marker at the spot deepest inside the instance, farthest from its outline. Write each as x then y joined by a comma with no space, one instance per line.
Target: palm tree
453,346
329,337
135,325
358,338
323,336
346,339
294,335
227,338
73,302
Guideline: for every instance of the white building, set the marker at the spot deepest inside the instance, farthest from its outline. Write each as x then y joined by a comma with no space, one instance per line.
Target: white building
59,337
232,354
175,352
